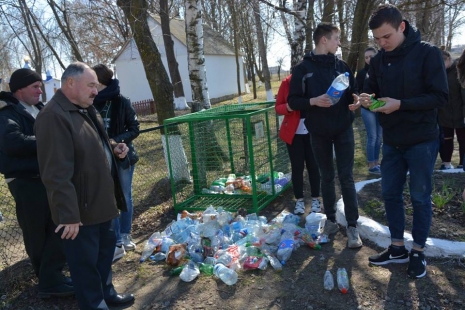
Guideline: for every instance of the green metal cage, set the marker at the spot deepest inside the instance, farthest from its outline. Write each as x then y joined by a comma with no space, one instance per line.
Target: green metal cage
239,141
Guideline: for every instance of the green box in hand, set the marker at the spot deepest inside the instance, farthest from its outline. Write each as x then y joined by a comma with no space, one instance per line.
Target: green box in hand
375,103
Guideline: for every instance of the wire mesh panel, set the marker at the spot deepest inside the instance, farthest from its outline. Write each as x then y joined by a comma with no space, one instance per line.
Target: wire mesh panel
229,157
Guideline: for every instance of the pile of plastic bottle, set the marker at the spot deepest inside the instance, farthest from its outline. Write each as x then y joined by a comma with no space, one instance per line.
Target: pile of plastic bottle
218,242
237,185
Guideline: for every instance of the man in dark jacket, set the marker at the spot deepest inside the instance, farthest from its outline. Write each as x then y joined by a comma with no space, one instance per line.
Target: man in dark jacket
330,126
19,165
409,76
77,165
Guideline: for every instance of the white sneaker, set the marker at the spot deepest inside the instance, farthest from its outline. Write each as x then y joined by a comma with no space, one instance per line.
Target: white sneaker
316,207
299,207
119,252
353,238
127,242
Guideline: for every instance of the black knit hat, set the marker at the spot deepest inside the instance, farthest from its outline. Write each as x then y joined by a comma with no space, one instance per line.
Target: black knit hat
22,78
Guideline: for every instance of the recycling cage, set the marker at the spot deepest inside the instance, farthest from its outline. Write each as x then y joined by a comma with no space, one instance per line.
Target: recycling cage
240,139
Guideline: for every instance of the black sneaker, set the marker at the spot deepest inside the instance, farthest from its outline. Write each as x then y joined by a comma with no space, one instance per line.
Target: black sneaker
390,255
417,266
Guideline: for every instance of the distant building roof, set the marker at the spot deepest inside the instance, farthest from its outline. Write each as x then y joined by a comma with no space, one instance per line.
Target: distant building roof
214,43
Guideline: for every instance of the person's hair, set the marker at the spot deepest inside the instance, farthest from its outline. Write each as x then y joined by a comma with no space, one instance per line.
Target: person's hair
445,53
324,30
385,14
461,69
74,70
104,74
371,49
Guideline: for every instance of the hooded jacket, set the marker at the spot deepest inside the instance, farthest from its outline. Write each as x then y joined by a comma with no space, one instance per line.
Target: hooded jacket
123,124
413,73
453,113
311,78
18,147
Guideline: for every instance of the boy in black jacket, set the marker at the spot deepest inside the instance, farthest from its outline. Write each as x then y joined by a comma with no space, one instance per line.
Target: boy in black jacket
329,125
409,76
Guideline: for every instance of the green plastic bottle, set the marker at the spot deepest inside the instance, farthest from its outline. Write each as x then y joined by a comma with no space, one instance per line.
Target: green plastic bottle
206,269
176,271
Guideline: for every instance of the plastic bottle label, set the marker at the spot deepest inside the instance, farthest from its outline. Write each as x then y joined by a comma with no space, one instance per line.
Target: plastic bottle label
335,93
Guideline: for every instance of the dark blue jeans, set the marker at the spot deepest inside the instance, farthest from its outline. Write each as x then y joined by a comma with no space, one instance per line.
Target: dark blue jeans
419,161
344,149
89,258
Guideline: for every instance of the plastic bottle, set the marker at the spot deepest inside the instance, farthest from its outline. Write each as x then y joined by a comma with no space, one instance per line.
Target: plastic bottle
328,281
342,280
274,262
176,271
189,272
337,88
228,276
153,242
158,256
206,268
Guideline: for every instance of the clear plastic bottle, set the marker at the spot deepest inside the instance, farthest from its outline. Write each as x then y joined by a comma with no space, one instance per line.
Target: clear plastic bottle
228,276
189,272
342,280
154,241
328,281
337,88
158,256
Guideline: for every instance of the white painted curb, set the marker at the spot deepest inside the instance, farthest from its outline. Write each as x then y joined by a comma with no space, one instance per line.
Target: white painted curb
379,234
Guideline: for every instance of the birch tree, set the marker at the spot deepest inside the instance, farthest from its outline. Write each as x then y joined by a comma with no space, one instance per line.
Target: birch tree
196,58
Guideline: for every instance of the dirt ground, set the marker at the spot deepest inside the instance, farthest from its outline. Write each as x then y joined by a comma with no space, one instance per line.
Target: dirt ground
298,286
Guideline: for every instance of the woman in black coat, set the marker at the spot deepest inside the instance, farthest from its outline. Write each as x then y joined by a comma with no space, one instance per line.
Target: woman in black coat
122,125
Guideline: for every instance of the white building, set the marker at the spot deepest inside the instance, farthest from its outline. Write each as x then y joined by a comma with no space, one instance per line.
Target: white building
51,85
220,64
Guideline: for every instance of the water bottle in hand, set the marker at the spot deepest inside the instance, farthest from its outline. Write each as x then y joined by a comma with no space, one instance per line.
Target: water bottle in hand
342,280
337,88
328,281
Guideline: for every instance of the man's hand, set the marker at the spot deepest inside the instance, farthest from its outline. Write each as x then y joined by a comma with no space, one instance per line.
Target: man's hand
391,105
356,103
321,101
69,231
121,150
365,100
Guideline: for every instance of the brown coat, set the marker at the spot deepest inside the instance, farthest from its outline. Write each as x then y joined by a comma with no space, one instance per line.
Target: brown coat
73,165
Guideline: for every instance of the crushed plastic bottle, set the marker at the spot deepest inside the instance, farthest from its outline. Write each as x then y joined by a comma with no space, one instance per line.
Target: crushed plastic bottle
328,282
337,88
342,280
228,276
189,272
285,247
176,271
152,243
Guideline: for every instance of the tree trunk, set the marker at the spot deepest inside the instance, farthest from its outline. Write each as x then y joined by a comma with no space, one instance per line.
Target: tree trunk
196,59
328,11
310,26
359,42
137,14
262,50
236,48
179,98
298,38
